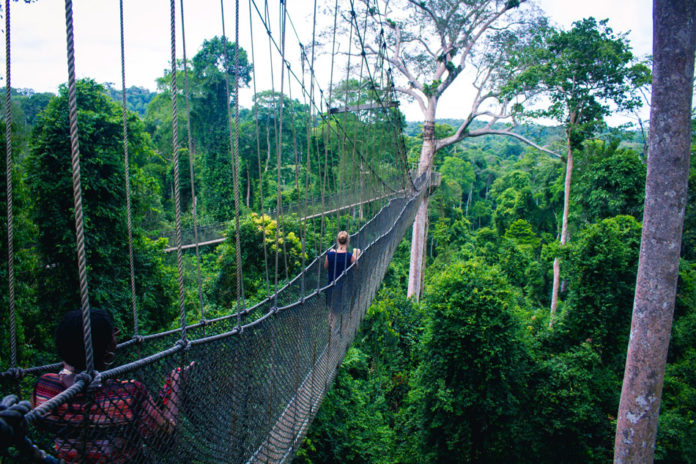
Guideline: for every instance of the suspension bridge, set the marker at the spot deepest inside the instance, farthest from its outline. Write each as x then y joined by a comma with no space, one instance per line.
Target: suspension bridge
257,375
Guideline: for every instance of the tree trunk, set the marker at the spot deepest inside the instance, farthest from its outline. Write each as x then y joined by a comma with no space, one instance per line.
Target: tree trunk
564,230
468,200
674,44
248,195
415,274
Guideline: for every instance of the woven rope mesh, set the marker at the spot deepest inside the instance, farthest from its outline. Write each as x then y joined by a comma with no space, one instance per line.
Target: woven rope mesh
250,392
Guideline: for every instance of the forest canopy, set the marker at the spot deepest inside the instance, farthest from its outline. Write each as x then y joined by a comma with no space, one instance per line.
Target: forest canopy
478,370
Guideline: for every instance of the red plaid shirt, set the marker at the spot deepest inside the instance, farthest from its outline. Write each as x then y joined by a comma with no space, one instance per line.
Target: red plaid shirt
106,425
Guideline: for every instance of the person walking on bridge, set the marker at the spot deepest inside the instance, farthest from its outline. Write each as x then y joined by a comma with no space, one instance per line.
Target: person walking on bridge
336,263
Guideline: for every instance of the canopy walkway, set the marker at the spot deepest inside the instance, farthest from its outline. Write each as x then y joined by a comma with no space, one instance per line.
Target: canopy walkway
213,234
254,387
257,375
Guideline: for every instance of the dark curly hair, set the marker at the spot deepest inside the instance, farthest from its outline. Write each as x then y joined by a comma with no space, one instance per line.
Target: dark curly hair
70,343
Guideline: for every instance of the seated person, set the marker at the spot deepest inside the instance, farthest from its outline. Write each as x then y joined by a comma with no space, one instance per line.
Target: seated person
108,423
336,262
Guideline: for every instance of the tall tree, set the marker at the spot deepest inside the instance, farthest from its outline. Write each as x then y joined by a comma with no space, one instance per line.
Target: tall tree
211,97
674,44
430,44
470,385
582,71
103,197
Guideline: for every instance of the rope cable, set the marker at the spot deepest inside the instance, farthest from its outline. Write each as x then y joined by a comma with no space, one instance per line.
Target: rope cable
258,154
234,145
279,146
77,191
237,156
194,203
328,124
340,178
175,156
8,167
126,169
297,186
310,124
284,64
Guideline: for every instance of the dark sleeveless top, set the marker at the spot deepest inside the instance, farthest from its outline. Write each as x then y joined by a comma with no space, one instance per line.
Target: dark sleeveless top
338,262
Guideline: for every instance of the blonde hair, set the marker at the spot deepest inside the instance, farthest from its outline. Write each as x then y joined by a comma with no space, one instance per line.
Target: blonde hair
343,238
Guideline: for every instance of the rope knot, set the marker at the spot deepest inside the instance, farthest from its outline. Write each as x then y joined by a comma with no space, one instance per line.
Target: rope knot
16,373
185,344
138,339
92,381
13,425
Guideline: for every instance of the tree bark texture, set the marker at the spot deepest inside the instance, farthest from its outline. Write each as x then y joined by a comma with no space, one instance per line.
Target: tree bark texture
674,43
415,272
564,232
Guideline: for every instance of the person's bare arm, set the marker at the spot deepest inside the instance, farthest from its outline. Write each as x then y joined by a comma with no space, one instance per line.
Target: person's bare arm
356,255
326,262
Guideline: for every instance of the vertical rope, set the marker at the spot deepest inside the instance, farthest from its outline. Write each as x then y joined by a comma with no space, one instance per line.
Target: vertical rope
310,124
194,203
278,153
77,191
175,155
258,155
234,147
327,137
240,282
8,166
283,65
127,172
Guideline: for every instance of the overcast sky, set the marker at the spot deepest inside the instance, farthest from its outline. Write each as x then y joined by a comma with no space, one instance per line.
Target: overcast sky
38,39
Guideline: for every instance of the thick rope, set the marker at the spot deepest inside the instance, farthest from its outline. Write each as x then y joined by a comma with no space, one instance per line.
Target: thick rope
240,281
283,65
77,191
327,135
271,42
310,124
194,203
175,155
8,166
234,147
127,172
258,155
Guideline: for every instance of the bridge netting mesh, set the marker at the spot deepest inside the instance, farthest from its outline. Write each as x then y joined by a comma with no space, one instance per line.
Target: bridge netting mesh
252,389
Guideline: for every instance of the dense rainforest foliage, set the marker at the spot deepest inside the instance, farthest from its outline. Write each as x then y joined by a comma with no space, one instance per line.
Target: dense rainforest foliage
475,372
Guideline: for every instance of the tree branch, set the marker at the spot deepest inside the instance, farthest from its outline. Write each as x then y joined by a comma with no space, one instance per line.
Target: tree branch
412,93
472,41
481,132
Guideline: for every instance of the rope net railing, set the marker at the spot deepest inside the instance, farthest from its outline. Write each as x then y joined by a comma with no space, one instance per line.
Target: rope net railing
251,391
308,209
